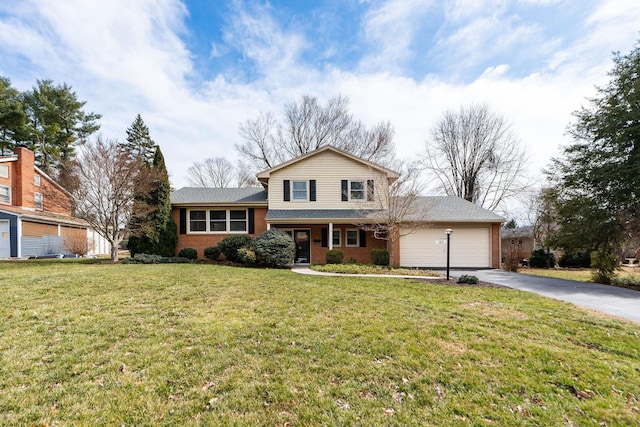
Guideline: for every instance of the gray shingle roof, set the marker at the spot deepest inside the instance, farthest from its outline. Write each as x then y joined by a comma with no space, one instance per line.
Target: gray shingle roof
274,214
452,209
198,195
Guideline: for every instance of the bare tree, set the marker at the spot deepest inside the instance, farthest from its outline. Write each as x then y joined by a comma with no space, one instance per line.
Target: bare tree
107,181
396,208
219,172
306,126
475,155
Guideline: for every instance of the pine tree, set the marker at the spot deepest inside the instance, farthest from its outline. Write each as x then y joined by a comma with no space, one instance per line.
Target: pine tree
139,144
153,228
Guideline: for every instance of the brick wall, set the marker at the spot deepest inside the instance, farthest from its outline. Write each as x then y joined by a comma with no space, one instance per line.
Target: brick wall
495,246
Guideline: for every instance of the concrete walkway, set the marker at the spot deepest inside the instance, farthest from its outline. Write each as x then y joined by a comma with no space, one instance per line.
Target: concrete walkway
620,302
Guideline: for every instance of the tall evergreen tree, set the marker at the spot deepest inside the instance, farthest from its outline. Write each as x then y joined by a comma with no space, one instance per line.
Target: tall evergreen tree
598,178
56,122
12,116
139,144
152,226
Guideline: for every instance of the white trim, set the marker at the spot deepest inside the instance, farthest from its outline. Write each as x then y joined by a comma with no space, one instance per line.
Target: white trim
37,180
339,231
4,168
330,236
364,190
9,194
228,221
306,190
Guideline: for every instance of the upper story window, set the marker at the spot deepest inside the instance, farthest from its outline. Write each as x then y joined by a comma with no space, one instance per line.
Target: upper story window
299,190
5,194
218,221
356,190
4,171
36,180
37,201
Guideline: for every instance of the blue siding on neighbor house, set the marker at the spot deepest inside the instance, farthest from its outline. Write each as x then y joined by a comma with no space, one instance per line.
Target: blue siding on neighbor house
13,231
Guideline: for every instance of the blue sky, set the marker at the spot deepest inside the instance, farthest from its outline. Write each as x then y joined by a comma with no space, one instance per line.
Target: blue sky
196,69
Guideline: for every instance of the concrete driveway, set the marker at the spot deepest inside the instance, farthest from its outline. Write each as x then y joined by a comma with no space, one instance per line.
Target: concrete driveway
620,302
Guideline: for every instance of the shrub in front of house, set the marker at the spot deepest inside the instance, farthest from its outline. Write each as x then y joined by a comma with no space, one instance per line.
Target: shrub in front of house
578,260
541,258
229,246
154,259
380,257
467,278
189,253
247,256
334,256
212,253
274,248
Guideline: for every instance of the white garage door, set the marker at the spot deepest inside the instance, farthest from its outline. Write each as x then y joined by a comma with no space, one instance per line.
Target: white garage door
470,247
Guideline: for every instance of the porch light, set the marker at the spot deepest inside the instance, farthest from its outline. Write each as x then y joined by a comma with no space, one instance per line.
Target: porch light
448,231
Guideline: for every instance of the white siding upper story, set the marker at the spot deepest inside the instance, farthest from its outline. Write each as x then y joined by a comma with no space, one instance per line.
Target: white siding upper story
328,169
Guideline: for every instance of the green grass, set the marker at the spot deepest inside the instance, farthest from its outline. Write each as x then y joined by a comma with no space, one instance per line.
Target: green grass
372,269
203,344
581,275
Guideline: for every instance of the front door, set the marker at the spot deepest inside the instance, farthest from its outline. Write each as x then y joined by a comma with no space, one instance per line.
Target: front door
303,246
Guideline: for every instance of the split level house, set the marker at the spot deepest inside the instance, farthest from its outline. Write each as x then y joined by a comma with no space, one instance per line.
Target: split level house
329,199
35,212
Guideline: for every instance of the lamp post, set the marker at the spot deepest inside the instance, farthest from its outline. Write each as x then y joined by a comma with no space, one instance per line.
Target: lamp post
448,231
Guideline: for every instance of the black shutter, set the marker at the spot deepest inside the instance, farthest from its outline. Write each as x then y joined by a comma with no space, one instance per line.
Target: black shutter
345,190
252,221
183,221
287,190
325,238
369,190
312,190
363,238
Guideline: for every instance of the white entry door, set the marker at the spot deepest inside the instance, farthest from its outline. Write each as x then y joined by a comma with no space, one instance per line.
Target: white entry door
5,240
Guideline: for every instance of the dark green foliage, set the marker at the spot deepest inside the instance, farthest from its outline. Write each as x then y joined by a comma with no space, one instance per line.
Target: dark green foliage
55,123
598,178
13,118
189,253
604,267
155,259
466,278
274,248
152,226
334,256
626,282
139,144
380,257
542,258
229,246
247,256
577,260
352,260
212,253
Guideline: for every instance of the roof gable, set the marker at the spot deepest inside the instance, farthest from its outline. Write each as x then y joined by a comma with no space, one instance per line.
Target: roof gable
265,174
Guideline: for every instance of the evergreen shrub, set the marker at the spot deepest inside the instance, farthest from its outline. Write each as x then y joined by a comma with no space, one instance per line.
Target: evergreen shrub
334,256
230,245
189,253
274,248
541,258
380,257
212,253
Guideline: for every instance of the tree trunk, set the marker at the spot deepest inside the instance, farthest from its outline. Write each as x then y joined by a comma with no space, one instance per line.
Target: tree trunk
114,250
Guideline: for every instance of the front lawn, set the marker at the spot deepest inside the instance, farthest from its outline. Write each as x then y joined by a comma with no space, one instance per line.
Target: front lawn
626,274
204,344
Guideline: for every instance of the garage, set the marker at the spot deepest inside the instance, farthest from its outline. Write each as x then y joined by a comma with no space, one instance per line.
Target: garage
470,246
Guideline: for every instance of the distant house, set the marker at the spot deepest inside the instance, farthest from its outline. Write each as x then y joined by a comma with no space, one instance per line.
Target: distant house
518,242
319,199
35,212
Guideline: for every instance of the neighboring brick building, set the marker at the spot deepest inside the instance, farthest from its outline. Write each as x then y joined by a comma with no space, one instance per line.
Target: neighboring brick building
35,212
328,199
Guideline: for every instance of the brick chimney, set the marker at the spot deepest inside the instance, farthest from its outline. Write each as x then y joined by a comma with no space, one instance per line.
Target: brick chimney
23,179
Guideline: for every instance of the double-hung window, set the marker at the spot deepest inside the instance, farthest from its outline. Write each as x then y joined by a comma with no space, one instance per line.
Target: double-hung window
218,221
37,201
357,190
198,221
37,180
299,190
238,220
352,237
4,171
337,238
5,194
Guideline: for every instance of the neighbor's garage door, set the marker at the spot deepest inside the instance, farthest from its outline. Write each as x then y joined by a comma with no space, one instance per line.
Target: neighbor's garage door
470,247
